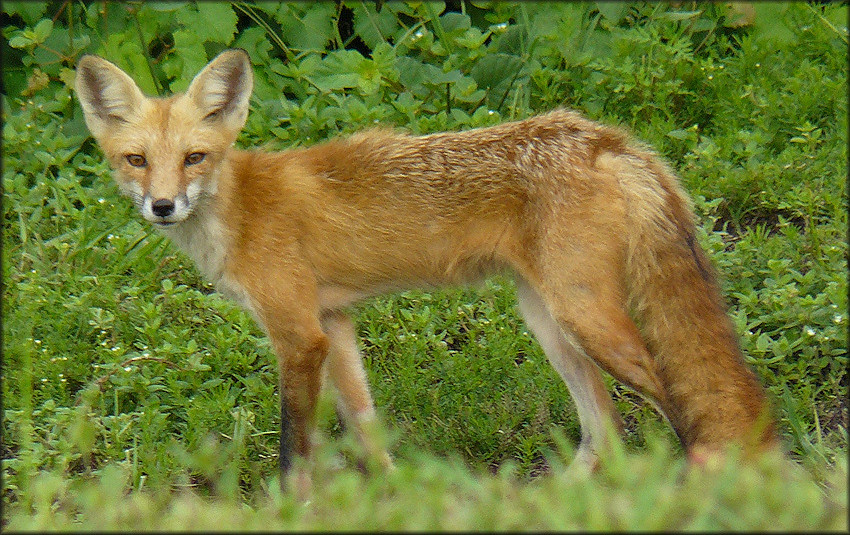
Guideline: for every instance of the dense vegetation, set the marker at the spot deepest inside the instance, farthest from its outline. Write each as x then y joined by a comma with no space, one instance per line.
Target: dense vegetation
136,397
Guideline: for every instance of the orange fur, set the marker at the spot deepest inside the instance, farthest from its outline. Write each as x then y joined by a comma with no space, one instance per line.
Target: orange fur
597,231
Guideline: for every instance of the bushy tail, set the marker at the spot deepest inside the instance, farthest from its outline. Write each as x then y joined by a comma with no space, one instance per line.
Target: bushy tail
713,397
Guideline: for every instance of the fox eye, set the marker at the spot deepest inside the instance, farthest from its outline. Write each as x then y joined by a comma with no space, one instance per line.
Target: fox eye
195,157
136,160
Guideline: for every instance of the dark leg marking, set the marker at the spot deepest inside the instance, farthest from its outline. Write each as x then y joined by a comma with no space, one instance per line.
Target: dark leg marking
286,445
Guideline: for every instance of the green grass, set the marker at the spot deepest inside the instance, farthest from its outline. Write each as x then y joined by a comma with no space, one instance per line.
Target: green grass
650,491
136,397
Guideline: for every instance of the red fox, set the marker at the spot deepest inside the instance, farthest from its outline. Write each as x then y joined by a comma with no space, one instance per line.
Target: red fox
596,230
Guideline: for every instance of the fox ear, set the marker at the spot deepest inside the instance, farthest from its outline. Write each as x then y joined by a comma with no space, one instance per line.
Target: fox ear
222,89
107,94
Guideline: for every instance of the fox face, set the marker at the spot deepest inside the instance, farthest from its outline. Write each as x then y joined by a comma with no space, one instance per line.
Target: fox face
166,152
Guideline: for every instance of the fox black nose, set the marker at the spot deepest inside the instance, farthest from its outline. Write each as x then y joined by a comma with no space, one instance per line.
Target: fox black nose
162,207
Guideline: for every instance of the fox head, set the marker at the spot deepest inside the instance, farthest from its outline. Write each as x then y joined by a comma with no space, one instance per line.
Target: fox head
166,152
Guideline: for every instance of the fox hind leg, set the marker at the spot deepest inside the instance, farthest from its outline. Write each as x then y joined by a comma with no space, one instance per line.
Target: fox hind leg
599,419
345,370
581,284
598,320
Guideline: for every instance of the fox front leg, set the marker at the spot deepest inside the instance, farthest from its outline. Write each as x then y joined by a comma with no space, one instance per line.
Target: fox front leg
287,307
300,383
300,357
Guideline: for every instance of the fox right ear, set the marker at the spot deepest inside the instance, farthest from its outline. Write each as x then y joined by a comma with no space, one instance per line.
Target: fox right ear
107,94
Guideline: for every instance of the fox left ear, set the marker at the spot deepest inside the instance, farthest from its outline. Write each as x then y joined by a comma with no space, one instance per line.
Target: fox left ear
222,89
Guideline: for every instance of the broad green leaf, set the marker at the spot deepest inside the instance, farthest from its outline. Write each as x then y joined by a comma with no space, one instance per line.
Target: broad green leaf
770,22
493,69
681,15
125,51
213,21
318,23
20,41
221,20
307,30
341,61
406,103
613,11
254,41
167,6
703,24
374,27
466,90
67,76
339,70
384,61
30,12
270,8
511,41
454,22
412,72
42,30
762,342
192,58
837,14
438,77
472,38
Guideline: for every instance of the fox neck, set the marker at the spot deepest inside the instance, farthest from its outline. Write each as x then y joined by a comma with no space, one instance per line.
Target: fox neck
203,235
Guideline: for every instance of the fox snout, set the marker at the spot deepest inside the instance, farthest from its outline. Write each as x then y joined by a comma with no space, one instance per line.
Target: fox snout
162,207
165,211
